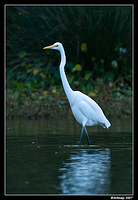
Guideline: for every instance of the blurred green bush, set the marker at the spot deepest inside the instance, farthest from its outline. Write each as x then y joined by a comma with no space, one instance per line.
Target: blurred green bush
97,42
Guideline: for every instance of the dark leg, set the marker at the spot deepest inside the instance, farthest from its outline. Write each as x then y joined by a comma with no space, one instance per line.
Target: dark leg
80,135
89,142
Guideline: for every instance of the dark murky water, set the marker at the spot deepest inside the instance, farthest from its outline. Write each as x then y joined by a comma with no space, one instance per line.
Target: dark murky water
42,158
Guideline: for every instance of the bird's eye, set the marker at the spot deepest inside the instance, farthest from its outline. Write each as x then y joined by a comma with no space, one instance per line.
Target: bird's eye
56,45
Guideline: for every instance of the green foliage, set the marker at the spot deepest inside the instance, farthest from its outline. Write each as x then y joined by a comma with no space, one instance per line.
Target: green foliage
92,37
97,42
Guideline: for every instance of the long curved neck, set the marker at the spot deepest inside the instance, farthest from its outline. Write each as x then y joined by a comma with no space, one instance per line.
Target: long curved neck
69,92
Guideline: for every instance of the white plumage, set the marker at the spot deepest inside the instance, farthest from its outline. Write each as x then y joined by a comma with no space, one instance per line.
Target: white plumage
85,110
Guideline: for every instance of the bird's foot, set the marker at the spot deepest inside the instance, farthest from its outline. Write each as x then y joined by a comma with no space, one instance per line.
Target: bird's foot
78,143
89,142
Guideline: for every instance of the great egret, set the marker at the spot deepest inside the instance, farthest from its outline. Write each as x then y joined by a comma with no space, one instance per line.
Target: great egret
85,110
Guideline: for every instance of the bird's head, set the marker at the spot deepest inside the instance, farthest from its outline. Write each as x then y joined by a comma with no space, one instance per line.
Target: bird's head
56,46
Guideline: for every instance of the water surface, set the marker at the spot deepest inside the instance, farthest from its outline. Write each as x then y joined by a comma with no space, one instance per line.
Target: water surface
42,158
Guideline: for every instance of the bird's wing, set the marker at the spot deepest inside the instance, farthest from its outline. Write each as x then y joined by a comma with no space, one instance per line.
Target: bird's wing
98,116
91,110
92,116
86,109
92,104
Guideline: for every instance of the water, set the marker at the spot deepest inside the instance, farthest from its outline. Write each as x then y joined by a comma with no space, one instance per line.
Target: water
42,158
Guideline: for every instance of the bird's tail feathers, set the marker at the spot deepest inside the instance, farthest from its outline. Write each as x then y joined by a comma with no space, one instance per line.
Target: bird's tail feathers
106,124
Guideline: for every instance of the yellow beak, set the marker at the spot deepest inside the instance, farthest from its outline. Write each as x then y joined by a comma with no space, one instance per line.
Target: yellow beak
49,47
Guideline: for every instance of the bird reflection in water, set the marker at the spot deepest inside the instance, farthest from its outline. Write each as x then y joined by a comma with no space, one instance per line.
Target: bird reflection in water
87,171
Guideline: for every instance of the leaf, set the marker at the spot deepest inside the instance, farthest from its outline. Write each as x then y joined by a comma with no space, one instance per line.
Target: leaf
10,74
28,83
110,76
22,54
56,75
59,102
23,90
102,61
76,83
110,84
116,94
93,94
77,67
127,92
96,89
42,75
70,79
34,80
54,90
29,70
19,74
101,70
19,85
28,66
128,77
69,65
44,93
42,83
36,62
84,47
87,75
23,64
114,64
119,44
35,71
93,59
33,95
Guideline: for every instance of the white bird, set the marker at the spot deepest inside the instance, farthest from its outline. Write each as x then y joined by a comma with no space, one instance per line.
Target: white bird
85,110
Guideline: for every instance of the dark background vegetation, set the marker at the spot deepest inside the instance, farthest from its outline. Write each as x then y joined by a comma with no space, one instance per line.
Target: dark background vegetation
98,45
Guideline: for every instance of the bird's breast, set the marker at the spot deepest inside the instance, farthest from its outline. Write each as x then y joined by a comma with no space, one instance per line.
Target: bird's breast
80,117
